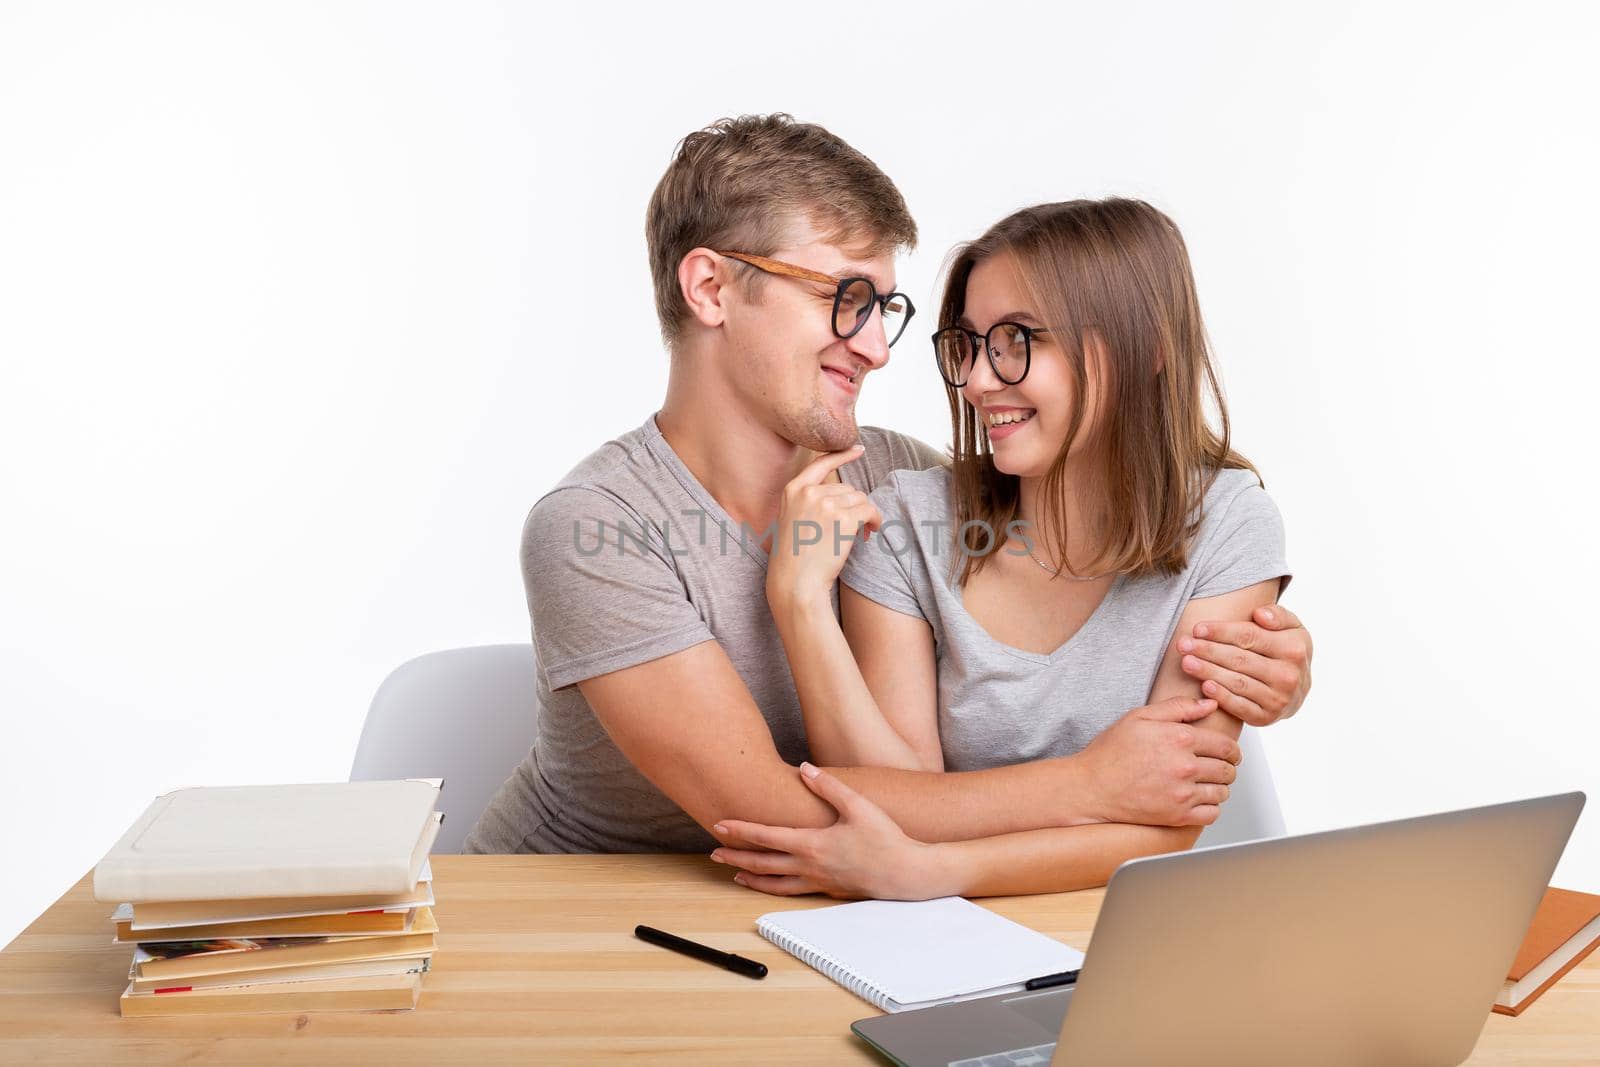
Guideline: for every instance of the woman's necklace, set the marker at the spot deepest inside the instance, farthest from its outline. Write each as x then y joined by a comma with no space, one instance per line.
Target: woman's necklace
1055,574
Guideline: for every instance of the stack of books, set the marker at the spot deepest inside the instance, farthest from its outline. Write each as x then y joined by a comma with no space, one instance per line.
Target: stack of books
276,898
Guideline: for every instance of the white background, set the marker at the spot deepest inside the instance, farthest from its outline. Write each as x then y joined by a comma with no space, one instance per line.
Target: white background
301,306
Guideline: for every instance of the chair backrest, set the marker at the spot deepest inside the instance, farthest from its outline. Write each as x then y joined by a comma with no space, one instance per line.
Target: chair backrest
467,715
1252,810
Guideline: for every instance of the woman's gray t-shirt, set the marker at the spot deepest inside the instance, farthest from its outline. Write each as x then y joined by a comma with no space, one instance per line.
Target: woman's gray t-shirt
1000,705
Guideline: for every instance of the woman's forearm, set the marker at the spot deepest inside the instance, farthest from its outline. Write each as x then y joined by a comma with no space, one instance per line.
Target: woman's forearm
1045,861
844,726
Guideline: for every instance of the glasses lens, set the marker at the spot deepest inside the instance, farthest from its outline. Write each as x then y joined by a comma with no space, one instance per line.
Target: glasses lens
1008,351
953,347
855,304
897,311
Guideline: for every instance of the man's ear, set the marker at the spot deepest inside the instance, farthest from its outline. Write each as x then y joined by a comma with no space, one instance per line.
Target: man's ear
700,286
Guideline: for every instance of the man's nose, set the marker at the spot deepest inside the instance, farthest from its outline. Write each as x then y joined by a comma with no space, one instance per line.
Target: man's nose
869,342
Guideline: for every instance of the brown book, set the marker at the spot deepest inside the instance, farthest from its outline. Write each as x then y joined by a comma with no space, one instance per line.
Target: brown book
1565,929
384,993
180,959
342,925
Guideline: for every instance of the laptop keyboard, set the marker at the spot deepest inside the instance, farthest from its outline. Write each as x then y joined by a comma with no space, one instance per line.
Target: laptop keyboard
1017,1057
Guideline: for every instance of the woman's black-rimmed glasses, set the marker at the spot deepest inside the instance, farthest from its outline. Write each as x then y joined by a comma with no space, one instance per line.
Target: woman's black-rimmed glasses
1009,346
853,297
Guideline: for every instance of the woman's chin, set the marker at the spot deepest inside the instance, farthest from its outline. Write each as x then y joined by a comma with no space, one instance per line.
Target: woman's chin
1007,462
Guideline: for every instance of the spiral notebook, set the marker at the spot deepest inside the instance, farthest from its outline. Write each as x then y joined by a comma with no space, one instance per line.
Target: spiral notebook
900,955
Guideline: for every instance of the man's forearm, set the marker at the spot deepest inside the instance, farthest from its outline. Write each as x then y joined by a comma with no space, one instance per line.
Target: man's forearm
722,763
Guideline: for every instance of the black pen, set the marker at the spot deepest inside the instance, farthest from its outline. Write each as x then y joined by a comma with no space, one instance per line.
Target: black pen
726,960
1048,981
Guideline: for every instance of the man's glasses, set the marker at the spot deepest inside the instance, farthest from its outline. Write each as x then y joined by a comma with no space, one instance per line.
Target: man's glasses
1009,346
853,298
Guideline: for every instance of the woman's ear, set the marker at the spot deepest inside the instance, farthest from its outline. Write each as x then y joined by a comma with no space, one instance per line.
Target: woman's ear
700,286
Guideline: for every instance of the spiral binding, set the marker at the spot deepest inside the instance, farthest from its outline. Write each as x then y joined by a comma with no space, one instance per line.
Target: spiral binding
862,986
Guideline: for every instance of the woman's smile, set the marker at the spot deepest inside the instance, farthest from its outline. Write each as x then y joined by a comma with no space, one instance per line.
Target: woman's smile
1005,421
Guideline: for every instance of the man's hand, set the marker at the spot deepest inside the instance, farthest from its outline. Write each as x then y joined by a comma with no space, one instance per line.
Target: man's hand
1155,766
1258,671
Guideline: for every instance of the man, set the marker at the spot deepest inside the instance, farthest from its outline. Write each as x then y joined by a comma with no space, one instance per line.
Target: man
665,699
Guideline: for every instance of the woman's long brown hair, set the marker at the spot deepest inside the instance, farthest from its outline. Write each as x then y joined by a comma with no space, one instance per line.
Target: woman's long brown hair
1116,270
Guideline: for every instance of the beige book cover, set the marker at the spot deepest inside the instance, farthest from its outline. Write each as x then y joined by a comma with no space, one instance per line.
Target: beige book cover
382,993
154,916
273,975
231,842
197,958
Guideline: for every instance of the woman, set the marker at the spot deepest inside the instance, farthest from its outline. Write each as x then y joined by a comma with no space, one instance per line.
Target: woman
1015,604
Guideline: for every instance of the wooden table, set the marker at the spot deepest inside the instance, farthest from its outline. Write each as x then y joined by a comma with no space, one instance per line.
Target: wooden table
537,963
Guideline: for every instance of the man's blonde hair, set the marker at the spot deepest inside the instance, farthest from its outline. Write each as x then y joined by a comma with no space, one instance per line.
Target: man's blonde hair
739,183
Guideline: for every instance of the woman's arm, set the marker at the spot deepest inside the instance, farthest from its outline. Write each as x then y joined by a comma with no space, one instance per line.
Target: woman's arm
886,653
844,724
1053,861
865,854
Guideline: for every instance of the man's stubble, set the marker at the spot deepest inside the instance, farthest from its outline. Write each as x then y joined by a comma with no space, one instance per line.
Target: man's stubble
818,428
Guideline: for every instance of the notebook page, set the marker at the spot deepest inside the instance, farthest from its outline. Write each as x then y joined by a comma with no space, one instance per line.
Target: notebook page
912,953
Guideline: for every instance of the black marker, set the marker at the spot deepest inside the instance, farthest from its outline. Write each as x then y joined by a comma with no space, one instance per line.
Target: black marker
726,960
1049,981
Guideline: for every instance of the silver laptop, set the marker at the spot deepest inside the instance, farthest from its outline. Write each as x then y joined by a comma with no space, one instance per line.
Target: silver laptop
1382,944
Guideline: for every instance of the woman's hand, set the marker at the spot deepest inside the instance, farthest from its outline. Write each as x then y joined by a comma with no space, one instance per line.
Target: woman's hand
817,523
1258,671
863,854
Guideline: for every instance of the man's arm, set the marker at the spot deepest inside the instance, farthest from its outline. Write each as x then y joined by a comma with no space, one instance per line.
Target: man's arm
865,852
610,616
690,726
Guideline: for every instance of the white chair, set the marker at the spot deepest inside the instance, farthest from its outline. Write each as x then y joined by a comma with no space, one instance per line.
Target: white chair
1252,810
467,715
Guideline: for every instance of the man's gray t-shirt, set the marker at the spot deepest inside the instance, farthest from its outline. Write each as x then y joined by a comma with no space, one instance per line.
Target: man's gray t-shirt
627,560
1000,705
